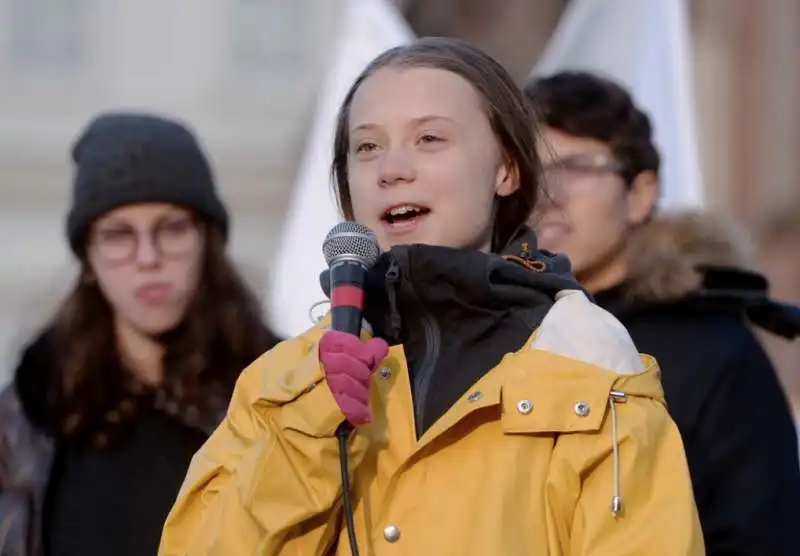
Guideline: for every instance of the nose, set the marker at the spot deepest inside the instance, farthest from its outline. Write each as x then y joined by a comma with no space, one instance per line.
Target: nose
395,167
147,253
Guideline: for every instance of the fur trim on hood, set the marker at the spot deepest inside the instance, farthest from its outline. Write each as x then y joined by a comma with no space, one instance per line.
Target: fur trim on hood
666,255
704,260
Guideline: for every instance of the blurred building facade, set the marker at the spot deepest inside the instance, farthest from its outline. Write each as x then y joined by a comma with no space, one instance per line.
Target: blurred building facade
245,73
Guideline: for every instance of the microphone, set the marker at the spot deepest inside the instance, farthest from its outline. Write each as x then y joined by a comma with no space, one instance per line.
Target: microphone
350,250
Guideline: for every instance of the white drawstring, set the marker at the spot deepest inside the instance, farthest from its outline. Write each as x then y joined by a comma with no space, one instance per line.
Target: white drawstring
315,319
616,500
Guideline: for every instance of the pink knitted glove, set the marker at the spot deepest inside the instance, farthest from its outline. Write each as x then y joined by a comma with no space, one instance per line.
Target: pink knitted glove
348,364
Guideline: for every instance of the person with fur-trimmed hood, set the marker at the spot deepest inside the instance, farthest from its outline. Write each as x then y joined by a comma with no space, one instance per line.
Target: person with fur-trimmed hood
684,288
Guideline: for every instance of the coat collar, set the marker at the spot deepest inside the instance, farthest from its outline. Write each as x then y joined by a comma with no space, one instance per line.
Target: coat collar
461,285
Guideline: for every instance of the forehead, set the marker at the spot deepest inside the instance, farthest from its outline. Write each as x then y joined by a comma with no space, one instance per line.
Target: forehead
397,94
142,213
554,144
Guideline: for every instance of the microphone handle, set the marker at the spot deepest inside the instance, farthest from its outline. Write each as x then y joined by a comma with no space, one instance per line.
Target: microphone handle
347,296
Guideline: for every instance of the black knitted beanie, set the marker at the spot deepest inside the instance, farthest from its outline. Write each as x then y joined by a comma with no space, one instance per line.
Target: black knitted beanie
129,158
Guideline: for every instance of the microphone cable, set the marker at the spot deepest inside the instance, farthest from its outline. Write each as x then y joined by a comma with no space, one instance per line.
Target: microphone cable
342,433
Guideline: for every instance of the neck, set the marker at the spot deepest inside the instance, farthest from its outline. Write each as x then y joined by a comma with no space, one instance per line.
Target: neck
604,276
142,355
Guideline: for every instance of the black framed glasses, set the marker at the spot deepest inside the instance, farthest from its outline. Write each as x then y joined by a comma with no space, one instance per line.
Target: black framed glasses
173,238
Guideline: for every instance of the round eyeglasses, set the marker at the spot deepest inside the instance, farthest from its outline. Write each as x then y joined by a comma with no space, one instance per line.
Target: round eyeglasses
172,238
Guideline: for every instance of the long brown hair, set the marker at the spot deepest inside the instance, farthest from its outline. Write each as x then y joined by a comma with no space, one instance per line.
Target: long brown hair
509,112
221,332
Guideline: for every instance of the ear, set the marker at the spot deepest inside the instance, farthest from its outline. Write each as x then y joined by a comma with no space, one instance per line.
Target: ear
643,197
507,179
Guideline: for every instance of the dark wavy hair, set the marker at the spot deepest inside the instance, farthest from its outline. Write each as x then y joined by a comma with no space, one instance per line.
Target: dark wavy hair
92,395
508,110
584,104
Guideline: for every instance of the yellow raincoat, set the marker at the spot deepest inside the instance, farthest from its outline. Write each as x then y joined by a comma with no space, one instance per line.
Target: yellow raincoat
565,448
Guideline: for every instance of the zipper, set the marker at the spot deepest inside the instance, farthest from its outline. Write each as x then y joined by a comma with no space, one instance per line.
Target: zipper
423,374
392,277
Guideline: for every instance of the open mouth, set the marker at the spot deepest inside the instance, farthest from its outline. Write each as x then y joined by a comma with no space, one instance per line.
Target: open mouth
401,214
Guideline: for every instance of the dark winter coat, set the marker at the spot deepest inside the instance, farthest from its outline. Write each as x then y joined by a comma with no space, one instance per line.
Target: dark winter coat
28,457
690,303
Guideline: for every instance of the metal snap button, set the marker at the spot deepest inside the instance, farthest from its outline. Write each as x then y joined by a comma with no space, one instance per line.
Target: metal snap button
385,372
475,396
582,409
391,533
525,406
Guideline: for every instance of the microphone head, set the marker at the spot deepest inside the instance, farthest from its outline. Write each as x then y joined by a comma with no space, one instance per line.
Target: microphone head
349,241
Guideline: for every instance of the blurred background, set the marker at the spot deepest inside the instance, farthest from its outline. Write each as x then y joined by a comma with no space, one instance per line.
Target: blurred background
249,76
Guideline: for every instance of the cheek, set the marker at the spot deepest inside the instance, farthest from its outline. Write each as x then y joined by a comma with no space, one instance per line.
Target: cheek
185,275
466,182
599,221
117,285
361,182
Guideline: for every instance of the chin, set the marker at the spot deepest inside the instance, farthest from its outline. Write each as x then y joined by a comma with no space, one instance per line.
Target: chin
418,237
389,243
386,243
156,325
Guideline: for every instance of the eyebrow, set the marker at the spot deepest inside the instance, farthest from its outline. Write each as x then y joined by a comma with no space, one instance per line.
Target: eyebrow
119,222
588,156
114,223
415,121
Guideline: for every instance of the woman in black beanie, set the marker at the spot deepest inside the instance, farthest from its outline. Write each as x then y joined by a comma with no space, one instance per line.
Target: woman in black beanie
111,400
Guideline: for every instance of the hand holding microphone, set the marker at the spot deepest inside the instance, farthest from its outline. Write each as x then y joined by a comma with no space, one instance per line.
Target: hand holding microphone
349,364
350,250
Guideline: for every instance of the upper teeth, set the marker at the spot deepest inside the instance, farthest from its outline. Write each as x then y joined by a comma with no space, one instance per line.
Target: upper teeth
403,210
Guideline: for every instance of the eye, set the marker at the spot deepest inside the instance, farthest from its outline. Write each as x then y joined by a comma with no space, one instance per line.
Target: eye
113,235
430,138
366,147
177,227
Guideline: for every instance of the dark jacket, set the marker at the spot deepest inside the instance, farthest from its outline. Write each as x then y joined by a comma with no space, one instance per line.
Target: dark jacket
690,303
28,449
